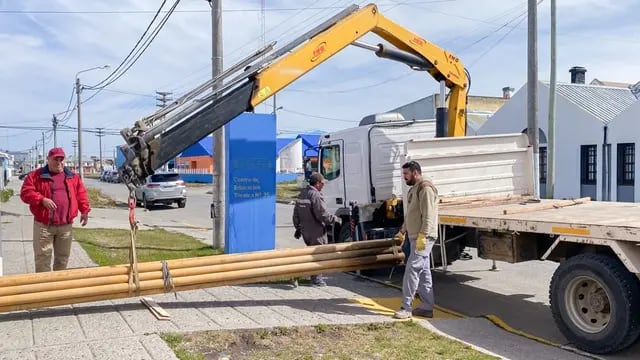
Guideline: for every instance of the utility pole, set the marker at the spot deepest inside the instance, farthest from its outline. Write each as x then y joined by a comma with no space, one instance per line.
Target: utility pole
78,90
551,139
532,94
36,155
100,134
54,122
75,145
43,153
164,98
219,145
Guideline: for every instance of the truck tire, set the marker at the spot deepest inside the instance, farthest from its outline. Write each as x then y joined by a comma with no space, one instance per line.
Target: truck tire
595,302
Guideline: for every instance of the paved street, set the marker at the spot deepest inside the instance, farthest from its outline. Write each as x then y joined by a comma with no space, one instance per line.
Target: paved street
194,218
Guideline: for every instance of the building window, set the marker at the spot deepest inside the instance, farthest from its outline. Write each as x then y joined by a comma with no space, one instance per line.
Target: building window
330,160
543,165
588,161
626,164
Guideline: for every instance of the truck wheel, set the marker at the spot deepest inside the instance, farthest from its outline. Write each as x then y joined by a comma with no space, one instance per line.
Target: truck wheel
182,203
595,302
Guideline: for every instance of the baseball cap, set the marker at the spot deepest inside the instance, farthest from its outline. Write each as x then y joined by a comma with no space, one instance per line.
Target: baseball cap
56,152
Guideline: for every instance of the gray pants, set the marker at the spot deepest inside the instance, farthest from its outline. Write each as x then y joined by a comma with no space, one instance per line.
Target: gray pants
417,278
315,241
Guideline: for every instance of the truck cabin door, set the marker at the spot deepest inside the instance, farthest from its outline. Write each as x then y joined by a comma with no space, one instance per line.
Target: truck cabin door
330,166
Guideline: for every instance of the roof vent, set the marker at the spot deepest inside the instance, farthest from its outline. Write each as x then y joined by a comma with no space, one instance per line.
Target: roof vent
578,74
381,118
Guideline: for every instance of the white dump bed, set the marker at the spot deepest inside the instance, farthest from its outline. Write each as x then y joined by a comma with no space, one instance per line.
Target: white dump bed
487,182
464,167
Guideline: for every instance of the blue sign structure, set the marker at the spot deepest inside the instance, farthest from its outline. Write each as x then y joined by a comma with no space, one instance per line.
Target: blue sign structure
251,183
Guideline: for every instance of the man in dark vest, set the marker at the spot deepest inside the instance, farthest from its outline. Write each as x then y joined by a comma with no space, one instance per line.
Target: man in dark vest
311,218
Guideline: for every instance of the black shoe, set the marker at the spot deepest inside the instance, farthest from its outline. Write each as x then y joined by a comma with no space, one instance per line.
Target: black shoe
422,313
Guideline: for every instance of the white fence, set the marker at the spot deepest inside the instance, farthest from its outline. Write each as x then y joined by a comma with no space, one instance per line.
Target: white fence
193,171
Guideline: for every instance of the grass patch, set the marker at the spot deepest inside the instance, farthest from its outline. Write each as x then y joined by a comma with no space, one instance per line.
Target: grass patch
287,191
98,199
92,176
6,194
111,246
397,340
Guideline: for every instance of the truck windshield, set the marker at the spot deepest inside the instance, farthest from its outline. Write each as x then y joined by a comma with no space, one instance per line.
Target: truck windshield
330,160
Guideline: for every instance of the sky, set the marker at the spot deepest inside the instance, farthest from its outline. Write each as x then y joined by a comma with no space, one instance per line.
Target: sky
45,44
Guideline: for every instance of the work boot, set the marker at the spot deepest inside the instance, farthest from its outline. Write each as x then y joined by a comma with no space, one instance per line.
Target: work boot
319,283
422,313
402,314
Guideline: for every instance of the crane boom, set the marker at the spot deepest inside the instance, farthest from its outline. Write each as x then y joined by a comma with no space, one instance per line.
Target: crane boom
160,137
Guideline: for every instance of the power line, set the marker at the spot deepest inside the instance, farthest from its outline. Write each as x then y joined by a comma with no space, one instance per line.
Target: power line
107,12
146,45
134,47
318,116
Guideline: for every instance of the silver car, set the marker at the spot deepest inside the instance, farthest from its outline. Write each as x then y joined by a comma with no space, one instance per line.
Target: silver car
162,188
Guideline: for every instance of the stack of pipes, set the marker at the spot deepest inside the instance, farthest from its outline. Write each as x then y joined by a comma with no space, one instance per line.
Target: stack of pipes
72,286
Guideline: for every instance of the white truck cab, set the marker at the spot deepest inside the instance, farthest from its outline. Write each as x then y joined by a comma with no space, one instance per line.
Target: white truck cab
362,165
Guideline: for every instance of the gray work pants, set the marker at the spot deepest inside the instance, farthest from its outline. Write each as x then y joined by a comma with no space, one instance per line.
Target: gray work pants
417,278
315,241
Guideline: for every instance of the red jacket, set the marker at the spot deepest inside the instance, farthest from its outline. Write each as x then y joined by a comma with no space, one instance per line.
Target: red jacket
37,186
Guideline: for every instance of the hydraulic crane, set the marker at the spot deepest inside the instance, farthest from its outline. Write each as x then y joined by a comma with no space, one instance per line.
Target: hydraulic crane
156,139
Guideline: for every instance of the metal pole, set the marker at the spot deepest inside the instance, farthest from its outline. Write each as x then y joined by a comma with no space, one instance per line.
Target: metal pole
43,153
441,112
219,155
78,90
55,131
532,94
100,144
551,138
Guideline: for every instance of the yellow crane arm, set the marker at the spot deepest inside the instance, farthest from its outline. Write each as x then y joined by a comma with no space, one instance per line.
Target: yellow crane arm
444,65
160,137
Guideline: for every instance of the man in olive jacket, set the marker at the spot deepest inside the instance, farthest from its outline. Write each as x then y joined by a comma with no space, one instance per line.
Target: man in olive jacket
311,218
421,230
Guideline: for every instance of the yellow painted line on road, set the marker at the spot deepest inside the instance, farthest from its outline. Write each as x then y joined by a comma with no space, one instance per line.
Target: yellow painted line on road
195,226
389,305
503,325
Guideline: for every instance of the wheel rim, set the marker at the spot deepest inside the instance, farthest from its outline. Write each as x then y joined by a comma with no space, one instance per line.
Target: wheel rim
588,304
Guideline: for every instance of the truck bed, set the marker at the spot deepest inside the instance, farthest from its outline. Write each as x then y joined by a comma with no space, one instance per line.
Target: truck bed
593,219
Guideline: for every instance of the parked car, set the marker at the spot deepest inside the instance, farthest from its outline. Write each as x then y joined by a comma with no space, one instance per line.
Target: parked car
104,176
162,188
114,176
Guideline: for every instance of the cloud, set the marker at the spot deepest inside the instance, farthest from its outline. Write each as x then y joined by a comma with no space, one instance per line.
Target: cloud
43,52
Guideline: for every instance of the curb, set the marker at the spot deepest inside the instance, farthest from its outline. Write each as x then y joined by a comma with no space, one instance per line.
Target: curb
427,325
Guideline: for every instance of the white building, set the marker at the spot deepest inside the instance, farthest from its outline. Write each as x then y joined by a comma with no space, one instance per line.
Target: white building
289,157
6,165
623,137
290,152
583,113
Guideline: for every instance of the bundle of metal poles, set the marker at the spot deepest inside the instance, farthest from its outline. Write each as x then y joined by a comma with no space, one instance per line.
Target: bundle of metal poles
81,285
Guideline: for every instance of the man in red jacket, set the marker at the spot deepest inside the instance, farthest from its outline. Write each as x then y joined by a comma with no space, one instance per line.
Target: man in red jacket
55,195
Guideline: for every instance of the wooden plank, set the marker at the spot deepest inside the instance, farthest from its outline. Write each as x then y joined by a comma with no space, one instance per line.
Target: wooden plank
463,199
551,205
156,310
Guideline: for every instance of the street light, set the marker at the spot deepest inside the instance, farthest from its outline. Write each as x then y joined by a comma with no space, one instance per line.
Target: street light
78,90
